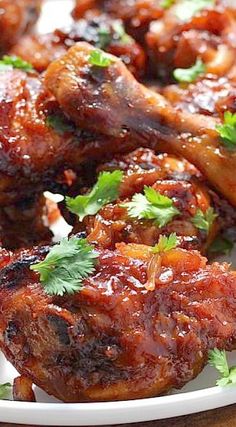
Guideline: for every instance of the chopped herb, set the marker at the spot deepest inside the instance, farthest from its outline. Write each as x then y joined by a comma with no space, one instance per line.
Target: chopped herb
227,130
217,359
165,243
204,220
5,390
100,58
167,3
221,245
189,75
114,32
65,266
186,9
151,205
10,62
59,124
106,190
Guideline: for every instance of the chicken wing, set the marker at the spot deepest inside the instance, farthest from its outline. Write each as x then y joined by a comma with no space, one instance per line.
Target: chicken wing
115,339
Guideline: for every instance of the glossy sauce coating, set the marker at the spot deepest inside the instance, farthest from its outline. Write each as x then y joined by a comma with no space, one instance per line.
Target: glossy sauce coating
115,339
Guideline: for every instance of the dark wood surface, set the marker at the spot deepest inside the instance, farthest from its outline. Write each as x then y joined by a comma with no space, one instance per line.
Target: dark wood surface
223,417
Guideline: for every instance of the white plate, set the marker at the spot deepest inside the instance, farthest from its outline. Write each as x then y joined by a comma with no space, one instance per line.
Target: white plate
198,395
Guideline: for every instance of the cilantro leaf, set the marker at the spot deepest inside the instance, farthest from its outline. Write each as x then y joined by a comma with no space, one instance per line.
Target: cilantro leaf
10,62
100,59
59,124
5,390
151,205
221,245
186,9
189,75
167,3
165,243
204,220
65,266
114,32
106,190
217,359
227,130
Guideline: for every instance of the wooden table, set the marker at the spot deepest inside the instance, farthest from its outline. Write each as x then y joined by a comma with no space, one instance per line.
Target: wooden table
224,417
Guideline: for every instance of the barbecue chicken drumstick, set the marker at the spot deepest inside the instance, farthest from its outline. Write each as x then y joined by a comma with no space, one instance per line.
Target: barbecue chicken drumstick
115,339
108,100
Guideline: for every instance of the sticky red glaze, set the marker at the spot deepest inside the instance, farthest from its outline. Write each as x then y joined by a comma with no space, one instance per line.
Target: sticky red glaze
115,339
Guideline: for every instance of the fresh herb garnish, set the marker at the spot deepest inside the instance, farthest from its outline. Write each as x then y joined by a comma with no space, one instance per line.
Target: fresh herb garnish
204,220
165,243
105,191
221,245
59,124
151,205
114,32
189,75
10,62
227,130
167,3
5,390
100,58
217,359
65,266
186,9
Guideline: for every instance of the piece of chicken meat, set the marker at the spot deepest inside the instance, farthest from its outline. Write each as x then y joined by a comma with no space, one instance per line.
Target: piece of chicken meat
109,100
16,18
116,339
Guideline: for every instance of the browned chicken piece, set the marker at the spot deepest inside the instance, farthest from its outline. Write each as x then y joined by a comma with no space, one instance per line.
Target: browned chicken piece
101,31
185,33
22,390
24,224
136,14
115,339
38,143
16,18
169,176
209,95
110,101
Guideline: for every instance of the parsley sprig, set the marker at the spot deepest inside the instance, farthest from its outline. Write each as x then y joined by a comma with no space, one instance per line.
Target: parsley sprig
99,58
217,359
10,62
189,75
186,9
204,220
66,265
165,243
167,3
5,390
151,205
227,130
105,191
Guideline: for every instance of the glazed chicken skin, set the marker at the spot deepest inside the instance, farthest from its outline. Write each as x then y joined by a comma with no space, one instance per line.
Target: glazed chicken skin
169,176
125,109
115,339
136,14
210,95
38,143
16,18
184,35
101,31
